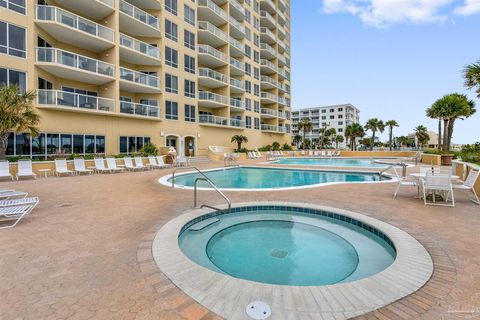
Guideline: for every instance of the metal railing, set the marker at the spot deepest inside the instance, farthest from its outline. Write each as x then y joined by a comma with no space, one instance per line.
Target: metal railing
140,78
206,49
212,6
237,83
237,103
268,48
210,96
237,64
139,14
237,6
236,44
237,24
74,100
207,26
212,74
139,46
139,109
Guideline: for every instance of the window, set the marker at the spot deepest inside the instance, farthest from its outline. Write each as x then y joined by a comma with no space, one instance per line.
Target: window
189,113
248,122
256,56
14,5
171,30
256,40
189,88
332,110
256,106
248,51
189,39
171,57
248,86
12,40
171,110
131,144
248,16
256,73
171,6
340,116
340,123
248,104
257,123
256,90
324,117
340,129
10,76
248,69
171,83
248,33
189,63
332,117
189,15
324,111
256,23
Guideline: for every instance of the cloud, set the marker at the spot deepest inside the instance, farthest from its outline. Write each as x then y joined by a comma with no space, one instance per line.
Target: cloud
386,12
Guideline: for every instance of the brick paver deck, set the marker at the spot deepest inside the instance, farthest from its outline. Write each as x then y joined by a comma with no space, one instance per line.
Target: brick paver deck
85,252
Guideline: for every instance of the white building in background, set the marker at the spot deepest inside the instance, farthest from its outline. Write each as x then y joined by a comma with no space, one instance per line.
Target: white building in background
335,116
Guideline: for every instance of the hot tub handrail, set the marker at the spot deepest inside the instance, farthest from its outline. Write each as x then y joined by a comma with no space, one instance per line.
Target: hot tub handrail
215,188
184,168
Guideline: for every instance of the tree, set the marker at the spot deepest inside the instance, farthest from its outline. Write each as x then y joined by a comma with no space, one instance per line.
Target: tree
471,73
275,146
374,125
403,141
338,139
421,135
307,143
390,124
434,113
297,139
16,114
305,125
239,139
366,143
352,132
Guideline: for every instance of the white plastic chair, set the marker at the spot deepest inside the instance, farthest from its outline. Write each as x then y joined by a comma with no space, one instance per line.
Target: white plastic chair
112,165
183,162
79,166
469,184
139,163
12,195
15,213
5,170
437,183
25,169
152,163
161,162
61,167
403,182
128,161
100,165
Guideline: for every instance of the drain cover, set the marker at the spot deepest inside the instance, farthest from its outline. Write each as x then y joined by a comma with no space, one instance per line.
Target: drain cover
258,310
279,254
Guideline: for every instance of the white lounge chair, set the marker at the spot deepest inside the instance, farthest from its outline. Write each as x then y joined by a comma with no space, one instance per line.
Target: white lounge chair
5,170
152,163
437,183
61,167
13,195
79,166
112,165
25,169
3,190
403,182
469,184
139,163
183,161
19,202
250,155
15,213
128,161
161,162
100,165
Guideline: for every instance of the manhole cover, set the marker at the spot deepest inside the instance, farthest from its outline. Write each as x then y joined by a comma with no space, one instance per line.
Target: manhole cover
258,310
279,254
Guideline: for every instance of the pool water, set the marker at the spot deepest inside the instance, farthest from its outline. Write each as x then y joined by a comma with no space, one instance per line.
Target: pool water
334,162
267,178
285,247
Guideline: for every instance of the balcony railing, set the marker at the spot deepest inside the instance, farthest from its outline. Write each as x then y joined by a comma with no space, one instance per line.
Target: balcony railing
268,95
139,14
215,8
73,60
139,46
49,13
139,78
237,83
207,26
237,5
266,63
236,44
237,64
269,127
74,100
237,123
139,109
237,24
269,112
282,101
268,48
212,74
213,97
268,16
206,49
267,32
110,3
237,103
269,80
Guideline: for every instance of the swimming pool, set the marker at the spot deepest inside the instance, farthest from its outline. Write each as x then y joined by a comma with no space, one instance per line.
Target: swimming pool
267,178
335,162
285,246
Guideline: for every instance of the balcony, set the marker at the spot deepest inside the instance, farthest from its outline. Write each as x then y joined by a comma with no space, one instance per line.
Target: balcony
236,48
281,17
267,67
236,86
138,82
137,22
267,20
282,5
267,97
282,101
269,128
140,110
236,10
237,123
237,105
267,82
68,65
281,46
205,119
282,115
267,5
68,101
267,51
281,32
209,11
237,30
93,9
283,87
267,36
211,78
282,74
211,57
212,100
210,34
268,113
282,62
138,52
146,4
237,68
72,29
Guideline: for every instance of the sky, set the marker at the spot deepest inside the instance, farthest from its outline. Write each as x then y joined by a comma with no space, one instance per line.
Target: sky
390,58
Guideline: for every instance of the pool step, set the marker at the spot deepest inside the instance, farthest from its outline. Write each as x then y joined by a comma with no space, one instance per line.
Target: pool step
203,224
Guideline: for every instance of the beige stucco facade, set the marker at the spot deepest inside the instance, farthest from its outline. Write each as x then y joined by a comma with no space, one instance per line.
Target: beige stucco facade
115,37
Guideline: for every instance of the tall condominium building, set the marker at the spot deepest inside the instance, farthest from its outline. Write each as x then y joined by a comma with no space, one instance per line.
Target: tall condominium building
336,116
112,75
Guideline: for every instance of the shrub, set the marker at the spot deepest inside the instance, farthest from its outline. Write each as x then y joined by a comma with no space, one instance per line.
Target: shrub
471,153
275,146
149,149
286,147
265,148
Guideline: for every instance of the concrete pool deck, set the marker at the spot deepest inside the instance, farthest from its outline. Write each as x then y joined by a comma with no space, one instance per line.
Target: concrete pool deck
85,252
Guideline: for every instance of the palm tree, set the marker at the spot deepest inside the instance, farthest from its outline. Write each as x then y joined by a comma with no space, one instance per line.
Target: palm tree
374,125
352,132
403,140
471,73
297,139
390,124
239,139
16,114
306,126
421,135
434,113
338,139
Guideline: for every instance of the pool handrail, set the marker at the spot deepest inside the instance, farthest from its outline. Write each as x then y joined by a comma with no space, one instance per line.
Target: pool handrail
215,188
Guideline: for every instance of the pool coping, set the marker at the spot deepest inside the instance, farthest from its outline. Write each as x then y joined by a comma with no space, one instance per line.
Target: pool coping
345,168
164,179
228,296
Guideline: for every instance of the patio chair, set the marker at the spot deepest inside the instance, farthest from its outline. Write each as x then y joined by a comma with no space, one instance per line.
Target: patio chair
152,163
310,153
250,155
5,170
100,166
25,169
3,190
15,213
161,162
183,161
128,161
112,165
61,167
403,182
139,163
469,184
437,183
13,195
19,202
79,166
